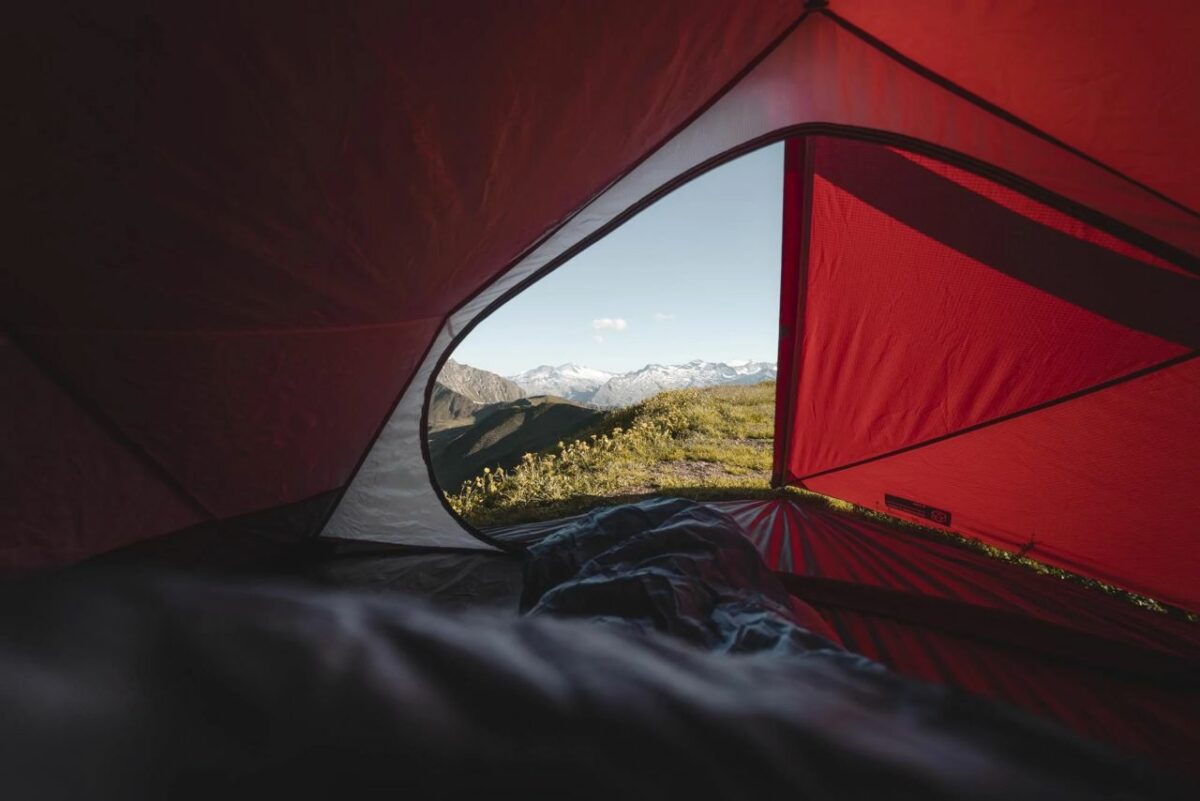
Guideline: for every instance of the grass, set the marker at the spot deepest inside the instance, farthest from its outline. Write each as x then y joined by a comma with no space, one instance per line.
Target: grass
691,442
707,444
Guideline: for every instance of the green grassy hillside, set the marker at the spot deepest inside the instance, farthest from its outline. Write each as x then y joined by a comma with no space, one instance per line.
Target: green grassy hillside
499,434
707,443
448,408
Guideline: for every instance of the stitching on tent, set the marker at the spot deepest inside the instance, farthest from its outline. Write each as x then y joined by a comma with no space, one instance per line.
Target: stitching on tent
1112,382
992,108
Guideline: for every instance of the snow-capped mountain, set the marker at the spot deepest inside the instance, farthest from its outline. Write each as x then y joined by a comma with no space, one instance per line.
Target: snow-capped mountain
568,381
586,385
623,390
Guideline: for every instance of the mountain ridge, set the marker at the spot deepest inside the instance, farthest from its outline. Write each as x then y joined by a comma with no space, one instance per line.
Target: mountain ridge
480,386
614,390
570,381
465,436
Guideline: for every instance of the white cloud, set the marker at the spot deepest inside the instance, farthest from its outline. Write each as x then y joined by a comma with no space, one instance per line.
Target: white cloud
609,324
663,317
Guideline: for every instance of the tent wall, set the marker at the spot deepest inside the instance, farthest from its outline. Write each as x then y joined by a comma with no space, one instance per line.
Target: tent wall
248,234
243,225
1108,79
64,473
966,348
822,77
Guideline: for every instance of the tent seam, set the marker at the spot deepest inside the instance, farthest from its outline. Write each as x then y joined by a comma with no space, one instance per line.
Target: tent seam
107,424
992,108
1112,382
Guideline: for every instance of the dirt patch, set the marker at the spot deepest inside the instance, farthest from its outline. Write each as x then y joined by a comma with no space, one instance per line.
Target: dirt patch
761,444
681,472
699,473
692,471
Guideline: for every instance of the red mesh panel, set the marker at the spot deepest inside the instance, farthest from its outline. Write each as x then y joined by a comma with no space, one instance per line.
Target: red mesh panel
954,341
907,338
1103,485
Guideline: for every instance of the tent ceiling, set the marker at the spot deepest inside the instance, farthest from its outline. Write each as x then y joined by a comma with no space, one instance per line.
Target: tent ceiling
246,229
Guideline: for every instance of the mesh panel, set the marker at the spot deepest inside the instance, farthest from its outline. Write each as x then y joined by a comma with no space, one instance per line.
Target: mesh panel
976,354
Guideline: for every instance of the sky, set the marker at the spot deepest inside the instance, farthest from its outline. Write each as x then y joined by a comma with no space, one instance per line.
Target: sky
695,276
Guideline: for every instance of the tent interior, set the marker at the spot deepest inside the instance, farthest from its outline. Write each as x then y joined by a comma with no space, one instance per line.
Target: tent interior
249,236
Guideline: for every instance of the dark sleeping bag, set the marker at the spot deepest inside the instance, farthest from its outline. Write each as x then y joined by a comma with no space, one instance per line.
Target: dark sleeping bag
660,660
672,566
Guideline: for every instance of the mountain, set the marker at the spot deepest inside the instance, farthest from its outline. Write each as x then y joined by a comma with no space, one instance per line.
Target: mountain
630,388
468,431
478,385
478,419
500,434
568,381
449,408
725,452
609,390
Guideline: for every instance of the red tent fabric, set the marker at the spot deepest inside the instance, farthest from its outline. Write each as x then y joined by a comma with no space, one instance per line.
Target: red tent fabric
1106,79
823,76
245,230
244,224
246,235
963,347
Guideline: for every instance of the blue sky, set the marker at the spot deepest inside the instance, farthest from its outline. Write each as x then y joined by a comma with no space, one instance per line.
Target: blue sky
695,276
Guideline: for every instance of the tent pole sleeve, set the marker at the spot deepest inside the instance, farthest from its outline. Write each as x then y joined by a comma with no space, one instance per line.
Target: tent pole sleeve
797,207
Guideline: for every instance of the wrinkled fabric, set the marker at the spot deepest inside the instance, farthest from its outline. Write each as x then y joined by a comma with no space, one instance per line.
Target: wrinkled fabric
449,580
1117,690
159,686
251,231
671,566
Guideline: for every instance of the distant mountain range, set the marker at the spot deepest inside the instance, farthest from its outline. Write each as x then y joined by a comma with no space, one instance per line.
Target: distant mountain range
478,419
568,381
610,390
501,433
